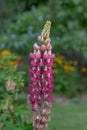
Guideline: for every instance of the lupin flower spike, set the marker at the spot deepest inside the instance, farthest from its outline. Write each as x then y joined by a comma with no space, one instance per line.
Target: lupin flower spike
41,76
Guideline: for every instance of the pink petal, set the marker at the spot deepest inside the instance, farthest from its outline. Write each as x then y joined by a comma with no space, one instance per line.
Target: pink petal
49,64
43,48
36,47
41,64
33,63
50,79
49,47
31,70
37,56
40,39
45,56
32,55
52,56
48,40
33,79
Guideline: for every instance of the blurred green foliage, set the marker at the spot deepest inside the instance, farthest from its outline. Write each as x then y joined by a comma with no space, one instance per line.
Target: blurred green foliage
69,24
13,100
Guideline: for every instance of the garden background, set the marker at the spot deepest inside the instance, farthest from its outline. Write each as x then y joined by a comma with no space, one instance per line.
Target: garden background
21,21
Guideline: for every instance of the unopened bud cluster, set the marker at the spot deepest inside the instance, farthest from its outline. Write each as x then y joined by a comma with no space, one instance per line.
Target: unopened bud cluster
41,76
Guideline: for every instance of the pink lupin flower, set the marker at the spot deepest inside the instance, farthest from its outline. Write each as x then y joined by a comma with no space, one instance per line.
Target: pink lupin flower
49,97
36,47
49,47
46,56
43,48
42,80
32,99
37,55
51,71
38,73
50,63
32,55
48,104
51,85
39,99
40,39
33,79
48,40
32,85
34,63
34,108
48,71
50,79
41,76
34,92
39,88
31,70
49,90
45,71
41,63
52,56
44,91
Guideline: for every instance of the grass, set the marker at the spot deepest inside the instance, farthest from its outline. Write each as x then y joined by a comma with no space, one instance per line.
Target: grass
69,117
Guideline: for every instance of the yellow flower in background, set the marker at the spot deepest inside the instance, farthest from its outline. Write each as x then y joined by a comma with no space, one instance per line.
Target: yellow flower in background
69,68
84,69
5,53
73,62
59,60
12,62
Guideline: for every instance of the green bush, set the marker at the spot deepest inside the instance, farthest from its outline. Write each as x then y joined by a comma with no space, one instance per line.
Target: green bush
69,24
13,100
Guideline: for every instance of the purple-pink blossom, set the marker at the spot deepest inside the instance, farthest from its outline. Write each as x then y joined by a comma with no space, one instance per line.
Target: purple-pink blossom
41,78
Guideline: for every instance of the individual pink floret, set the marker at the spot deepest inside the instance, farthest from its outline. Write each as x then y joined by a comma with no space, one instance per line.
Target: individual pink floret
32,55
49,64
48,40
36,47
31,70
50,79
46,56
41,63
37,55
43,48
52,56
33,79
32,85
49,47
33,63
42,80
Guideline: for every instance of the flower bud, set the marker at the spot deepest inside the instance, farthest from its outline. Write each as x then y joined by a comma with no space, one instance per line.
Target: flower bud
48,40
43,48
36,47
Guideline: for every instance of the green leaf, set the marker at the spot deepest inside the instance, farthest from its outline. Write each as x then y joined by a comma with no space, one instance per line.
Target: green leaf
28,127
19,121
21,110
9,126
